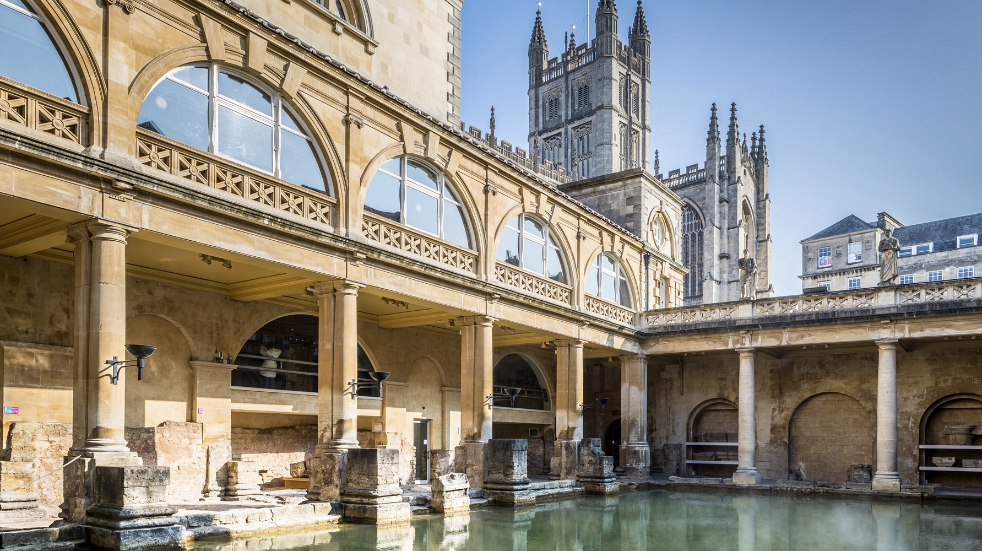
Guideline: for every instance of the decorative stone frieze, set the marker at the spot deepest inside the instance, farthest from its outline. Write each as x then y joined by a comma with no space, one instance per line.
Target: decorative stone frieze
415,243
60,118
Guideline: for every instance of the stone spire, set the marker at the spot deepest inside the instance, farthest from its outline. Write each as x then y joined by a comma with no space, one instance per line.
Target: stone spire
657,164
538,51
753,145
572,41
492,124
640,28
733,133
606,21
538,33
762,149
713,127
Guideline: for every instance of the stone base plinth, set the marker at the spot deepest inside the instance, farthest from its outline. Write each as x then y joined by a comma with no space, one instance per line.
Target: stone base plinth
77,482
596,470
18,502
746,477
130,510
370,489
506,478
562,466
450,495
469,459
326,469
885,482
511,498
637,460
243,480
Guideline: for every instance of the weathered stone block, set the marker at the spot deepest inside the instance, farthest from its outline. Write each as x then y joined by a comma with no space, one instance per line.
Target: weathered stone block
450,495
298,470
130,510
563,463
469,459
243,480
326,469
506,472
370,489
596,469
441,463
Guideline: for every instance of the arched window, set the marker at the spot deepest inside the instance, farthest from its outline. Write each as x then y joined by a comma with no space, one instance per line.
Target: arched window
528,243
209,108
513,371
692,251
28,54
606,279
407,191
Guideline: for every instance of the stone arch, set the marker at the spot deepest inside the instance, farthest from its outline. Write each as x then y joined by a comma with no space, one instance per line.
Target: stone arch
167,391
545,383
632,281
572,271
714,420
285,348
473,219
831,438
244,334
161,65
947,421
668,239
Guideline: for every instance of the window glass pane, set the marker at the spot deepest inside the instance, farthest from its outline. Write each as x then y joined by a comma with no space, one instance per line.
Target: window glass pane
624,293
393,166
287,121
923,249
592,281
382,197
195,76
298,164
18,3
554,269
508,248
244,139
906,251
421,211
177,112
421,175
454,229
513,223
28,55
607,285
608,264
239,90
533,228
532,254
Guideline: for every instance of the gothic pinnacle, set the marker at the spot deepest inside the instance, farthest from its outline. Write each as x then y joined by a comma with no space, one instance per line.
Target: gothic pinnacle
640,28
733,133
713,126
538,33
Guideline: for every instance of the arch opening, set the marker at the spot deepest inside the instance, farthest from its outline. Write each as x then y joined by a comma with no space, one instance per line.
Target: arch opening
28,52
514,371
606,279
215,109
955,420
712,433
830,439
528,243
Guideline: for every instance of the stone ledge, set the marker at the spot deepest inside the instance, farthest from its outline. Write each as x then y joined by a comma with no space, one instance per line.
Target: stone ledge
239,523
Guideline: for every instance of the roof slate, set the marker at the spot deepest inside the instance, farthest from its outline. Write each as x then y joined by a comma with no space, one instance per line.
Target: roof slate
849,224
943,233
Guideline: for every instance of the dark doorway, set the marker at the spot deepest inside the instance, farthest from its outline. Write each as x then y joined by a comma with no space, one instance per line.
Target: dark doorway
612,442
421,439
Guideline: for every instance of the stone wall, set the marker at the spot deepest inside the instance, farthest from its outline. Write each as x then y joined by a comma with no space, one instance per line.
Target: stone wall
829,434
178,446
46,445
274,449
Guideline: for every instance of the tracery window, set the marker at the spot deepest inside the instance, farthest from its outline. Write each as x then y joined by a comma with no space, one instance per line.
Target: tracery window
583,96
528,243
28,53
606,279
206,107
552,108
692,247
407,191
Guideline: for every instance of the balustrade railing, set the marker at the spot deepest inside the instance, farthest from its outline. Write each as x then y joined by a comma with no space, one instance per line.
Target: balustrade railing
391,234
857,302
531,283
609,310
202,168
59,117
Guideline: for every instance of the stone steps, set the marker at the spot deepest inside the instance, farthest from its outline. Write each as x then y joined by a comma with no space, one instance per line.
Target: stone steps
204,525
60,538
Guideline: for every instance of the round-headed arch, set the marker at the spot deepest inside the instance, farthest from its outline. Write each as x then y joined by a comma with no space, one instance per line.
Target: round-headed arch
409,190
521,372
530,242
607,279
226,112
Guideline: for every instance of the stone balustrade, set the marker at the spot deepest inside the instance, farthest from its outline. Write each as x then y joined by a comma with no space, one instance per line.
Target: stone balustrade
609,310
415,243
39,111
531,283
839,304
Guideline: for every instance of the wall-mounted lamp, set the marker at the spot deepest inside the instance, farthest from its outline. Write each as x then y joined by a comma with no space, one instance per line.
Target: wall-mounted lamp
513,393
602,401
377,376
140,351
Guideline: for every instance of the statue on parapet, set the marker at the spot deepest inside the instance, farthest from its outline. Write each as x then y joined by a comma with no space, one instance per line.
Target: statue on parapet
748,277
889,252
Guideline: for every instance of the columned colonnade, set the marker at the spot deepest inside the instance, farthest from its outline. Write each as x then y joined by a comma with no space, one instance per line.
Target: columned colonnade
886,476
99,405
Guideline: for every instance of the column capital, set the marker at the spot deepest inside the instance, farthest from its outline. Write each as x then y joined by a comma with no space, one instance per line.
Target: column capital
336,286
98,228
464,321
640,358
574,343
887,344
746,351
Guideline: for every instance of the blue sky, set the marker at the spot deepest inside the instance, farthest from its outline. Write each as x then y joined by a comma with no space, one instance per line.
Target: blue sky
869,106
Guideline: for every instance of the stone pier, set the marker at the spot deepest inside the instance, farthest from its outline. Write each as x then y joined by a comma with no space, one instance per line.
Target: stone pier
450,495
506,478
243,480
596,469
130,510
370,491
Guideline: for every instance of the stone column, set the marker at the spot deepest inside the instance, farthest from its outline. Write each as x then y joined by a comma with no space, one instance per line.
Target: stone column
100,334
476,370
886,478
213,409
337,404
746,473
636,456
569,416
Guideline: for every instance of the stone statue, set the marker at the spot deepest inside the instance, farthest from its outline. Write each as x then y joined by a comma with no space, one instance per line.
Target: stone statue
269,373
748,279
889,251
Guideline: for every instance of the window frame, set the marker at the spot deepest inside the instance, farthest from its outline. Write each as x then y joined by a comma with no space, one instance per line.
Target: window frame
851,257
821,256
932,278
443,194
854,283
70,69
278,104
826,284
618,274
973,236
966,272
546,241
906,279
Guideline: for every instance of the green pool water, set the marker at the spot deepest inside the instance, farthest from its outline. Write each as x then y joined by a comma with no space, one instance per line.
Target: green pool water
664,521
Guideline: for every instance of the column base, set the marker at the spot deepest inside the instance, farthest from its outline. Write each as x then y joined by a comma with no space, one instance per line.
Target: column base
77,482
562,466
746,477
884,481
636,460
326,469
469,459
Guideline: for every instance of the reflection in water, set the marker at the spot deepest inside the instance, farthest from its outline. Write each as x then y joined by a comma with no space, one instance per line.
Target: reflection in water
650,521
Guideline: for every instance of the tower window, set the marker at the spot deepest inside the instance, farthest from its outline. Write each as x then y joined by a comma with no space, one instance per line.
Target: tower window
552,108
583,96
692,233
